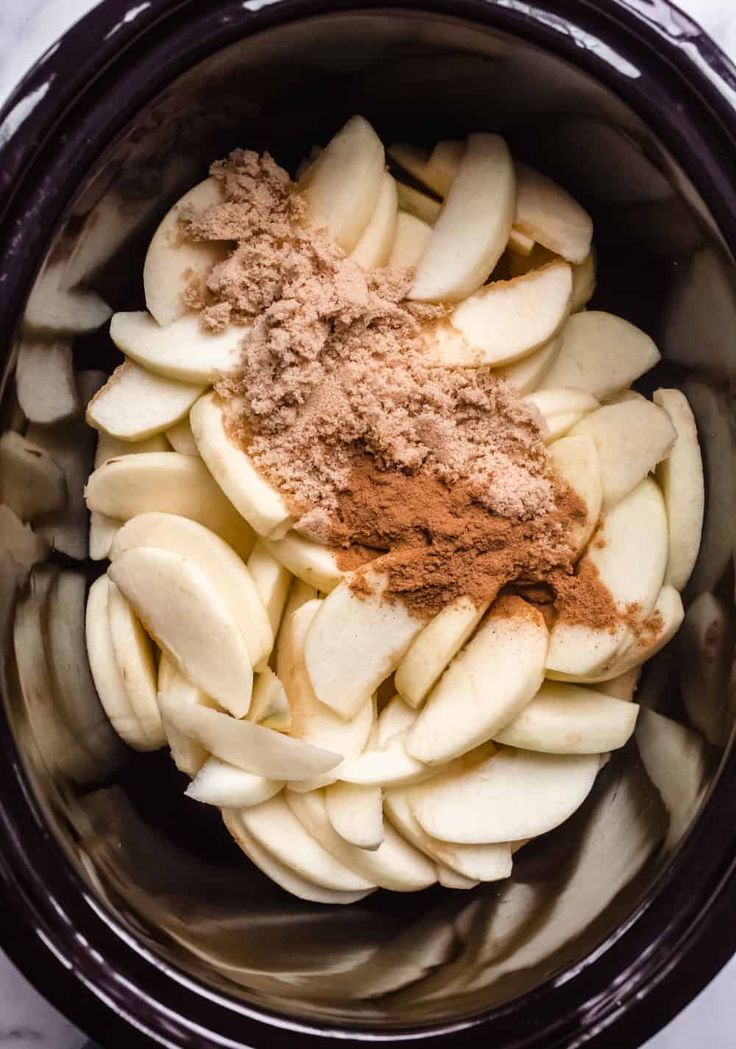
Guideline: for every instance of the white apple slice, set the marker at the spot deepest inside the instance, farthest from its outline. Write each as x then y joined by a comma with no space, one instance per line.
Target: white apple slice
504,796
44,379
519,243
389,765
187,753
55,310
631,437
355,641
569,719
526,374
657,631
583,283
680,476
102,531
443,165
418,204
475,862
184,350
181,439
218,562
433,649
269,705
374,247
576,461
356,813
136,664
31,482
169,483
343,184
462,250
173,262
410,240
492,679
265,510
227,786
396,717
272,582
314,563
109,447
504,321
623,686
183,611
549,215
628,552
394,865
561,409
135,404
601,353
410,158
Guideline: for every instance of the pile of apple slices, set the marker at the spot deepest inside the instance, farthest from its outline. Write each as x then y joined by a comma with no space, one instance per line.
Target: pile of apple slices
350,744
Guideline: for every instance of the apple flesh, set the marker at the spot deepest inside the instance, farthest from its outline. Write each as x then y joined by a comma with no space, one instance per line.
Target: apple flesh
550,216
418,204
576,461
135,403
181,439
374,247
356,814
561,409
583,283
410,240
395,718
272,582
389,765
312,562
668,615
227,786
187,753
183,350
526,374
269,704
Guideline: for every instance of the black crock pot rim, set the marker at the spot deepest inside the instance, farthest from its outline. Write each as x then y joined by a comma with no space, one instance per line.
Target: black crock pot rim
679,937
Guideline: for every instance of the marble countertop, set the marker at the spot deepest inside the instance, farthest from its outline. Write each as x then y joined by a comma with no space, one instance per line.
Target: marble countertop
26,1020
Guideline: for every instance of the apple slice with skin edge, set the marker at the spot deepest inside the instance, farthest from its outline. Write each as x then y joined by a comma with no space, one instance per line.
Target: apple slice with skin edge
229,787
550,216
390,765
272,582
312,562
492,679
396,717
526,374
434,648
504,796
183,611
374,247
504,321
355,642
631,437
173,262
184,350
136,663
343,184
628,552
576,460
356,814
187,753
463,251
680,476
269,705
260,504
135,403
561,409
568,719
410,240
418,204
600,353
181,439
219,563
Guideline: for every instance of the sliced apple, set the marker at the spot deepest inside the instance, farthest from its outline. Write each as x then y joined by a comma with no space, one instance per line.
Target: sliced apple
55,310
343,184
218,562
410,158
136,664
183,350
181,439
31,482
656,632
583,283
272,582
187,753
418,204
44,381
504,796
312,562
173,262
601,353
182,609
462,250
356,814
436,645
680,476
227,786
410,240
109,447
264,509
374,247
576,461
355,641
396,717
631,437
135,403
443,165
519,243
269,705
549,215
388,765
102,531
526,374
504,321
561,409
491,680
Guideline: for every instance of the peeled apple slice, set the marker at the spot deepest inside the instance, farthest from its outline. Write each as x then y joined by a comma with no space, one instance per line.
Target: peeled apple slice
631,437
576,461
179,436
561,409
227,786
374,247
583,283
312,562
519,243
109,447
550,216
388,765
354,643
269,706
136,665
343,184
436,645
410,158
505,320
629,553
601,353
184,350
418,204
664,622
272,582
473,228
135,404
187,753
443,165
356,813
526,374
680,476
569,719
173,262
184,612
395,718
491,680
218,562
262,506
504,796
410,240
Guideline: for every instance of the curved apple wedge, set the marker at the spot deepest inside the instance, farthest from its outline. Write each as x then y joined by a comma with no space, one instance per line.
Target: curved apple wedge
260,504
356,813
180,437
229,787
410,240
583,283
137,666
183,350
547,214
504,796
561,409
389,765
269,705
462,250
135,404
491,680
187,753
272,582
217,561
568,719
576,461
374,247
396,717
418,204
314,563
526,374
657,631
186,615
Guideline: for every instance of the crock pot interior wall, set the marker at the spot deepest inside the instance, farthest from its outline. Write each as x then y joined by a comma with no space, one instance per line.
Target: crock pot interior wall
164,865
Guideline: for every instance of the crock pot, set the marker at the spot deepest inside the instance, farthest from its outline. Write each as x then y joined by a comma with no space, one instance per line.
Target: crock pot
126,904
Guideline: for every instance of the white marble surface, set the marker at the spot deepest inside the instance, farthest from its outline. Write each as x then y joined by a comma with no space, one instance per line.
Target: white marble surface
26,1020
